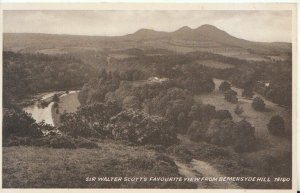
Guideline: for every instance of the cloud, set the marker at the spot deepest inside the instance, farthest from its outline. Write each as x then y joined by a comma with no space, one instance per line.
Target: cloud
251,25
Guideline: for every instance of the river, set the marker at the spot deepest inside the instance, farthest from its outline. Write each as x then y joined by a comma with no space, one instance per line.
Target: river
44,114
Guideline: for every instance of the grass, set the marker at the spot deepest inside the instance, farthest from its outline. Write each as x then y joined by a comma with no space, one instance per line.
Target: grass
41,167
258,119
67,103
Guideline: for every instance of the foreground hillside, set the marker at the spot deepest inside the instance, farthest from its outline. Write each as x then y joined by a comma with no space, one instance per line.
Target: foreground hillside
70,168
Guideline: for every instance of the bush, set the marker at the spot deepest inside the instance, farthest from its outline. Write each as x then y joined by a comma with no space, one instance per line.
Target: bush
203,113
19,123
223,114
243,136
224,86
258,104
240,135
219,132
90,120
55,98
196,131
248,93
141,128
238,110
62,142
55,105
231,96
276,125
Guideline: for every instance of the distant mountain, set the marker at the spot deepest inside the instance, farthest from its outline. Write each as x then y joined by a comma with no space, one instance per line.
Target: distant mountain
207,33
204,38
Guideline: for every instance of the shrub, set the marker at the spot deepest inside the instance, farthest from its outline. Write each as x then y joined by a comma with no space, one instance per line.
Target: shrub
55,105
224,86
196,131
141,128
219,132
243,136
231,96
240,135
62,142
258,104
238,110
248,93
203,113
223,114
276,125
55,98
90,120
19,123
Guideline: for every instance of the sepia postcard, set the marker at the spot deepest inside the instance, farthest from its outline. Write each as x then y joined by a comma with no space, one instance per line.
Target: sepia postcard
160,97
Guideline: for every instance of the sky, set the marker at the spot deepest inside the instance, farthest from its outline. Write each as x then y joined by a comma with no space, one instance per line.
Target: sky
263,26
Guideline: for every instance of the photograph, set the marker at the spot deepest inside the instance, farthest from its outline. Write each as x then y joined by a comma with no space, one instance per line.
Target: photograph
146,98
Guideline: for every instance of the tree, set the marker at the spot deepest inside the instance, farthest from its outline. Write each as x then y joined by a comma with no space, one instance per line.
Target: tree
223,114
231,96
276,125
224,86
55,98
248,93
243,136
219,132
141,128
258,104
238,110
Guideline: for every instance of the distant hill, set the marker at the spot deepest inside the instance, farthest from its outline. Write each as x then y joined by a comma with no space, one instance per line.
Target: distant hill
204,38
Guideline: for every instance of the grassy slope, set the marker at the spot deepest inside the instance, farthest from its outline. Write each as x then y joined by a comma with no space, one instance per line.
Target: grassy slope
68,103
275,148
35,167
258,119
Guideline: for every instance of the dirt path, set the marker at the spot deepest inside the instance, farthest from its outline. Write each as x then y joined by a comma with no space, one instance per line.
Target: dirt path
197,168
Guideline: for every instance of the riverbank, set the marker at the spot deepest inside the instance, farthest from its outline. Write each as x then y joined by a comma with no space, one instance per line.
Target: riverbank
46,111
68,103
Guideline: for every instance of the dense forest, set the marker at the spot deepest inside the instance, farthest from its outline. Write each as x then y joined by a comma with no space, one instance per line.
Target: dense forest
28,74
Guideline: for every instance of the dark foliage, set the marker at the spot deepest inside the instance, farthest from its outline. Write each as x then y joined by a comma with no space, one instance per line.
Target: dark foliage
258,104
197,131
276,125
223,114
89,121
231,96
248,93
243,136
224,86
225,132
26,74
141,128
19,123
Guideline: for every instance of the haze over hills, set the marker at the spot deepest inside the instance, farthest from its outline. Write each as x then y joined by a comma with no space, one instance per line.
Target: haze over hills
206,38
